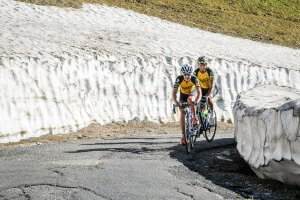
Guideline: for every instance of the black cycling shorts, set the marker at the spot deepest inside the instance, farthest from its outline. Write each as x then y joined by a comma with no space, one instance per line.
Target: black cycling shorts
183,97
204,91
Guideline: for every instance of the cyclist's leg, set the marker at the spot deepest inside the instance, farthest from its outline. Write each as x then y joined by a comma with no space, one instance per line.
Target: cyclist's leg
204,92
181,121
211,106
191,100
211,103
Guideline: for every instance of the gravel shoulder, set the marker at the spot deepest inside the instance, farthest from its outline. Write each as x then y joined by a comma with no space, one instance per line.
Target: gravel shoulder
113,130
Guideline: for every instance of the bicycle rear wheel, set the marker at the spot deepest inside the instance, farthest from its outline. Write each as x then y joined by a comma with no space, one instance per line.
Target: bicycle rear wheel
211,128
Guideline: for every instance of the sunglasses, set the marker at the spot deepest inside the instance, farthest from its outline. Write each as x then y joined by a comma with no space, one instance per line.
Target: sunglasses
187,74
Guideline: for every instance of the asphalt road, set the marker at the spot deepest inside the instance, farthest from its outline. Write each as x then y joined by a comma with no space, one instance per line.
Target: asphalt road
147,167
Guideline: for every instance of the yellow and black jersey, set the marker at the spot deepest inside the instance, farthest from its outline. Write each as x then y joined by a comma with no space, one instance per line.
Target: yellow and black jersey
186,87
204,77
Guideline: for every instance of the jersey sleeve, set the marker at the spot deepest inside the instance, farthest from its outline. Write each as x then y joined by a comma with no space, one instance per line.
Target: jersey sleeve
177,83
195,72
210,73
195,81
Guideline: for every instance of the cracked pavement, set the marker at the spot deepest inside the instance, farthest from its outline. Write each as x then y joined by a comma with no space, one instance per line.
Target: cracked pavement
135,167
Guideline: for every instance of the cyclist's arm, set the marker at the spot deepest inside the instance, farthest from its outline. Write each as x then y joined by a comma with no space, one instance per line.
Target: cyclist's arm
199,95
175,89
174,95
212,86
211,83
197,85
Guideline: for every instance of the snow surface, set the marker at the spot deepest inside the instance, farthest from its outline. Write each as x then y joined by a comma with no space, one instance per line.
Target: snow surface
62,69
268,132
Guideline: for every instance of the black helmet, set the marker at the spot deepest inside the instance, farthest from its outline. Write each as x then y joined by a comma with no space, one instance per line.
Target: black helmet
202,59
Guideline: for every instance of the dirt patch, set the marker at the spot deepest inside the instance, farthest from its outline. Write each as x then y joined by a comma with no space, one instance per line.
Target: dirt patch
113,130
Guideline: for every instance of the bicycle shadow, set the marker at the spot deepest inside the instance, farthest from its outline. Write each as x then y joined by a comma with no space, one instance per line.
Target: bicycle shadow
220,163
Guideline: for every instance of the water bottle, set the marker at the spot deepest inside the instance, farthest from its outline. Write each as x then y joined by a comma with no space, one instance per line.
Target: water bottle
204,114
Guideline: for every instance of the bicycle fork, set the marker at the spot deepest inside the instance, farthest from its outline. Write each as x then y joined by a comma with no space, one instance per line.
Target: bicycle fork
192,129
189,121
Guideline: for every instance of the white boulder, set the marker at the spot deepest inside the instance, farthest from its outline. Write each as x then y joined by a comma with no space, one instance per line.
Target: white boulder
268,132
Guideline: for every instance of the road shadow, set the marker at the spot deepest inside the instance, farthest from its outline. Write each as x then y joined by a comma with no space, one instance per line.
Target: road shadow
220,163
140,138
139,147
125,143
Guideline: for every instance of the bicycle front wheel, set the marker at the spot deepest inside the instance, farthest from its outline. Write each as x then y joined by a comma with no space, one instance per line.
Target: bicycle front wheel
186,134
189,144
211,128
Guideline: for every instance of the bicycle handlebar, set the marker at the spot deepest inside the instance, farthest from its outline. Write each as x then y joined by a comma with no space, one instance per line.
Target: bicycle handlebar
182,105
200,103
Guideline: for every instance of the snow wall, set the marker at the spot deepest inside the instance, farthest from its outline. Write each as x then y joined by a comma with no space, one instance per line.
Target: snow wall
63,95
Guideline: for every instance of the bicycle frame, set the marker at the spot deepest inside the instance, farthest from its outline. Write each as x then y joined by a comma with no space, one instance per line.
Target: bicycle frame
202,111
188,115
208,123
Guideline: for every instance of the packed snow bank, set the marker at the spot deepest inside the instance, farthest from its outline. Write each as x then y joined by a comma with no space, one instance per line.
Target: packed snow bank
268,132
62,69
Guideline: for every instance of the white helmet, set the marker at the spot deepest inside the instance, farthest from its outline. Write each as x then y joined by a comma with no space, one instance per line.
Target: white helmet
186,69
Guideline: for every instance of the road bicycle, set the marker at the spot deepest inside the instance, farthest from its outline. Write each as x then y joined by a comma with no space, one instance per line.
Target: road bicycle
208,119
188,131
207,126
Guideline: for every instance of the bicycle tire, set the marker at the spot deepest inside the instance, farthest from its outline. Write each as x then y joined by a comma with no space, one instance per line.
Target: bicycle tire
186,135
189,144
210,131
194,136
184,132
194,139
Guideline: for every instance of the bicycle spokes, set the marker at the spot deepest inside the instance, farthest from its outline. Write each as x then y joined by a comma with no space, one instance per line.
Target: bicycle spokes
212,127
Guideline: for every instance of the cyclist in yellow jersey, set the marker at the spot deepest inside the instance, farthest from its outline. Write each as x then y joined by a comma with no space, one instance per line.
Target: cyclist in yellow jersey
189,87
206,78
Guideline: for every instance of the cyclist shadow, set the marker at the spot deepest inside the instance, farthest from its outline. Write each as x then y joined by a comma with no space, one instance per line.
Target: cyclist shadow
220,163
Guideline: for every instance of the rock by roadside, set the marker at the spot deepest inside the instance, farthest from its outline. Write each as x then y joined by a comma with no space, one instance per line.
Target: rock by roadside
267,132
